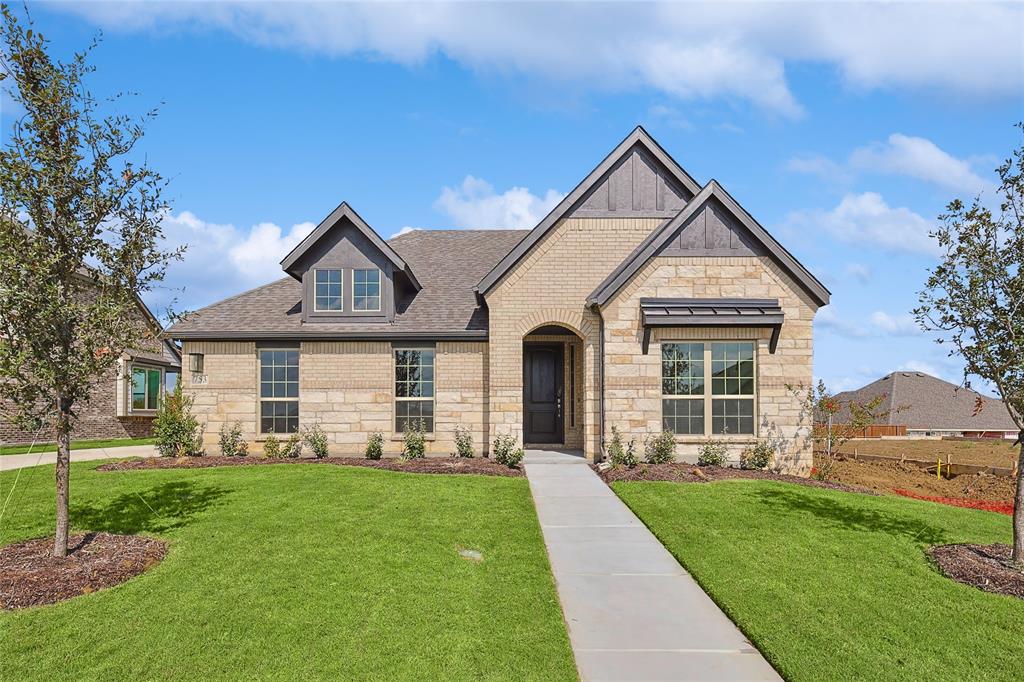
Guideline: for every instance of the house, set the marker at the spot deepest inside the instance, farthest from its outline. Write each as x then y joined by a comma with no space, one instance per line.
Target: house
124,400
919,405
643,301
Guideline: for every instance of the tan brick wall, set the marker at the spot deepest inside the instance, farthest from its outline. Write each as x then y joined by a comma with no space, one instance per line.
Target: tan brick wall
347,386
550,286
633,380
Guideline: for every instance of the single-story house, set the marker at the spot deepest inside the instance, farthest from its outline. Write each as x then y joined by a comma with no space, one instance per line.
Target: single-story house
921,405
124,400
643,301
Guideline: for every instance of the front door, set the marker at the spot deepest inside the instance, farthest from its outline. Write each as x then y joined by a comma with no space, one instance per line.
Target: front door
542,393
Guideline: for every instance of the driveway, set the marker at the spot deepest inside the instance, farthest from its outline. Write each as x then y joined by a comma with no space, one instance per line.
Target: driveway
10,462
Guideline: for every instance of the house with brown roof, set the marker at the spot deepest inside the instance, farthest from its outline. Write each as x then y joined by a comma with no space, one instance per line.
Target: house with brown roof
921,405
643,301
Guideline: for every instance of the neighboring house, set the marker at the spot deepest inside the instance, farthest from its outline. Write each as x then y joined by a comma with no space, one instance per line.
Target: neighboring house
918,404
124,400
643,300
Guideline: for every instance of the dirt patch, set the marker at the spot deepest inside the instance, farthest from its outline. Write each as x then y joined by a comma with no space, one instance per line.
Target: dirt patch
887,477
427,465
995,453
689,473
987,567
31,576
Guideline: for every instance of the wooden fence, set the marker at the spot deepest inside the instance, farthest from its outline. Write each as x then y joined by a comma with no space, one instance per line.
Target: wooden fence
872,431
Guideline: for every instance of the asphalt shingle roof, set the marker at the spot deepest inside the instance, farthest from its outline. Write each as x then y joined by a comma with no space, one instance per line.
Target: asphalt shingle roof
448,264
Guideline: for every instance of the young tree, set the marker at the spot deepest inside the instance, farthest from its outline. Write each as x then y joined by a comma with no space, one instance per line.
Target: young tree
79,239
975,298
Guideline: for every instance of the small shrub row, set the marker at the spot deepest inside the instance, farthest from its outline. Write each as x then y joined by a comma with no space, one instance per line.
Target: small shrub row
505,451
273,448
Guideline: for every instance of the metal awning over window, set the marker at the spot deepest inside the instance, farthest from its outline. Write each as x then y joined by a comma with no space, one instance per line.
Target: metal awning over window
763,313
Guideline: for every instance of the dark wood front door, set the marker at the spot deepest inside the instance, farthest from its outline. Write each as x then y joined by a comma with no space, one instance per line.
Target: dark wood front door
543,393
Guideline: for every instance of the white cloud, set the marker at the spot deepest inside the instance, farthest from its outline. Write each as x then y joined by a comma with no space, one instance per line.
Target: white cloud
820,166
866,219
687,50
895,325
669,115
222,260
475,204
919,366
405,230
919,158
859,272
828,318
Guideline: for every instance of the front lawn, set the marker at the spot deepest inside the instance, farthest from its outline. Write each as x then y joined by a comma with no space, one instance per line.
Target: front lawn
75,445
835,585
296,572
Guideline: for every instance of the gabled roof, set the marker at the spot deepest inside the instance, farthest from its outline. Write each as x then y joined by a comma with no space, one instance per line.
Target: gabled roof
640,137
345,211
654,242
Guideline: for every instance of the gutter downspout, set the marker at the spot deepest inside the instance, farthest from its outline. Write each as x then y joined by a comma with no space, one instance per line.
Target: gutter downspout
600,363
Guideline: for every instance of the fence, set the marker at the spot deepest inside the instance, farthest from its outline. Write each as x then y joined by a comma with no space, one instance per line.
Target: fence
872,431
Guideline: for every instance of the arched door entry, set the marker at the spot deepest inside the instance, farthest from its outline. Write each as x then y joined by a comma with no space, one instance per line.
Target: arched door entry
543,393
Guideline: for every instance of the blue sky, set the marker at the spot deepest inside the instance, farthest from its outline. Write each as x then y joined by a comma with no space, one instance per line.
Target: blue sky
843,128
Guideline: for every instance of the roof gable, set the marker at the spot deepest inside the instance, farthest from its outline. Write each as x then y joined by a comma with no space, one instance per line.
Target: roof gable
344,215
726,228
638,158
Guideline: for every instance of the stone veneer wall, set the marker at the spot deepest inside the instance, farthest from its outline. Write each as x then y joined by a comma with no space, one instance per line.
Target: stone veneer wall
633,380
348,386
550,286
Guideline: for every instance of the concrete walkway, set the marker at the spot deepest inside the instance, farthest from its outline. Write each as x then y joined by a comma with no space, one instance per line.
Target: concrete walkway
11,462
633,613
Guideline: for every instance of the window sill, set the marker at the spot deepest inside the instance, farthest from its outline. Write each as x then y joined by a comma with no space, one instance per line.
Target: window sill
697,440
142,413
429,437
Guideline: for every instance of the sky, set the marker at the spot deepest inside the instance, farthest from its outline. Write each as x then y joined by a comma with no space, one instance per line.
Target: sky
843,128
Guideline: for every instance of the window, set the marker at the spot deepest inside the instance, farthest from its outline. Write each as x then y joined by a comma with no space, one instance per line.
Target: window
366,289
414,389
145,388
170,380
688,370
327,296
279,391
195,363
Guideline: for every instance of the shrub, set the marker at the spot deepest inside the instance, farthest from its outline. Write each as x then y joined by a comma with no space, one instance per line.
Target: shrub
177,431
272,447
823,469
231,443
712,453
414,444
463,442
660,449
506,452
316,439
293,446
757,456
619,455
374,446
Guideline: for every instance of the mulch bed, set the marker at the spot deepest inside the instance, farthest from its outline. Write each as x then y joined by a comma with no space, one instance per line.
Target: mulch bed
31,576
987,567
967,503
688,473
426,465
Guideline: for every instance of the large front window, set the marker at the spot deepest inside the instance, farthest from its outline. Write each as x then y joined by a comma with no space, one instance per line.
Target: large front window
327,296
145,388
708,388
279,391
366,289
414,389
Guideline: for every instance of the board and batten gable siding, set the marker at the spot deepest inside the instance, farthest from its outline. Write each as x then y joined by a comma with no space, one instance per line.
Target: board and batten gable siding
550,286
345,386
633,379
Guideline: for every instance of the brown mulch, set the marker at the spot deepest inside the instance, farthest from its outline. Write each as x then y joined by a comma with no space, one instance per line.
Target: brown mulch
689,473
427,465
31,576
886,477
987,567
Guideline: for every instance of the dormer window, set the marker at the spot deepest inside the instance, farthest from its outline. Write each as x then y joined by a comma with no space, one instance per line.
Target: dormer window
328,291
366,289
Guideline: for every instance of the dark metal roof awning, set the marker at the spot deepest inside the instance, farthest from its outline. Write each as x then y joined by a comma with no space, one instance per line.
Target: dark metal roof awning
764,313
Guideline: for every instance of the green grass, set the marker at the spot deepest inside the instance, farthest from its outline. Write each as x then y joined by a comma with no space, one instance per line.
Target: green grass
296,572
75,445
836,586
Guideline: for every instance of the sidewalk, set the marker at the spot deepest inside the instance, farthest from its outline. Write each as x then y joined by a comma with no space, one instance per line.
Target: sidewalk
632,612
11,462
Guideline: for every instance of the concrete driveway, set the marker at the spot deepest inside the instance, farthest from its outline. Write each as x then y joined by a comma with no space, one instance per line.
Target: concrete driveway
11,462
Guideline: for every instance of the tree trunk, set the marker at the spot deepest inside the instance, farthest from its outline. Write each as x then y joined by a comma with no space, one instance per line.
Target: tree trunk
60,540
1018,506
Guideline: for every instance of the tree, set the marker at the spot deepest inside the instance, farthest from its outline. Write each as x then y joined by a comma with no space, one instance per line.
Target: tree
974,298
80,239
